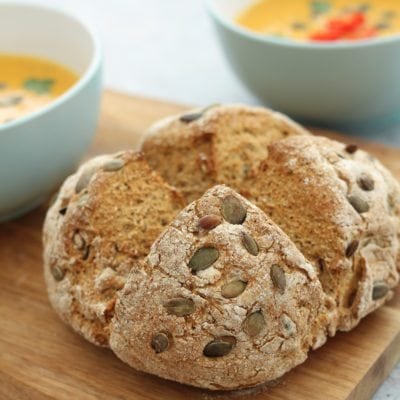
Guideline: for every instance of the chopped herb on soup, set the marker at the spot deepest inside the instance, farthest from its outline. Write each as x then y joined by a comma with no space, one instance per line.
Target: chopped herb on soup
39,86
323,20
28,83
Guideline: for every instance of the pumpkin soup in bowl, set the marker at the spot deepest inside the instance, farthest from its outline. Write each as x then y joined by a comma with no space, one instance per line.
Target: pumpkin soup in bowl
29,83
322,20
344,84
50,75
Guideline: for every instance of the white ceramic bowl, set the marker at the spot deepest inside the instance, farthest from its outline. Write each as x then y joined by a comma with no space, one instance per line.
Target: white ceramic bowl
353,83
38,150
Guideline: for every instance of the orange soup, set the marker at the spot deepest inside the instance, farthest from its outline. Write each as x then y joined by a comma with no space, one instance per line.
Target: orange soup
325,20
28,83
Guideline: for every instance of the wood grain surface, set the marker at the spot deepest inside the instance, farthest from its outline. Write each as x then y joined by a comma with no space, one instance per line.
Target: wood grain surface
41,358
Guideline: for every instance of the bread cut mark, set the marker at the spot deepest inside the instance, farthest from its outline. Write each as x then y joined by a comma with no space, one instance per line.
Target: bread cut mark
99,234
224,145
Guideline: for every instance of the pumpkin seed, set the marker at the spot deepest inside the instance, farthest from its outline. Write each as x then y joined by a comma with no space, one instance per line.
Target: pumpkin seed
86,252
278,278
187,118
288,325
209,222
254,323
160,342
352,248
365,182
250,244
359,204
391,203
203,258
233,289
233,210
351,148
113,165
219,347
10,101
84,180
180,306
58,273
379,291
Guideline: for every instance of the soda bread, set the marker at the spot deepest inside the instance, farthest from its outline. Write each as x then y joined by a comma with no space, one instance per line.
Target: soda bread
225,295
234,291
341,207
220,144
103,222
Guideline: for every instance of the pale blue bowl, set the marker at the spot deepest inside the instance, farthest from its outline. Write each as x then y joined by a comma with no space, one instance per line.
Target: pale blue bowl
39,150
337,84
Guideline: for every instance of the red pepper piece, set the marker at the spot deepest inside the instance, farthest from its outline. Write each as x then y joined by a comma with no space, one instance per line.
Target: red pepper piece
346,24
340,28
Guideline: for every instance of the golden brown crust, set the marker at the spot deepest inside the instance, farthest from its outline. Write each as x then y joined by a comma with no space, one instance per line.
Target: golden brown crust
112,210
221,144
257,288
334,205
271,323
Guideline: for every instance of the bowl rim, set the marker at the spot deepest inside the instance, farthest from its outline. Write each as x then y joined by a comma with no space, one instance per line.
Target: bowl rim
295,44
93,67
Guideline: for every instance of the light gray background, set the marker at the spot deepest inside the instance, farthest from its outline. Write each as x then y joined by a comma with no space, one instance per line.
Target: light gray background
167,49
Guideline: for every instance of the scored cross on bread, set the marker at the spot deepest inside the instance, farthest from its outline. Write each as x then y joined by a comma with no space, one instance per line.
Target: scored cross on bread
220,144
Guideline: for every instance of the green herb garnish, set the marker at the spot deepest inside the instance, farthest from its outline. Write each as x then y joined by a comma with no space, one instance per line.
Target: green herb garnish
365,7
40,86
320,7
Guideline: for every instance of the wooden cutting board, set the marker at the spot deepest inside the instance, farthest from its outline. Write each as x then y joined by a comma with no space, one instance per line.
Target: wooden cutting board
41,358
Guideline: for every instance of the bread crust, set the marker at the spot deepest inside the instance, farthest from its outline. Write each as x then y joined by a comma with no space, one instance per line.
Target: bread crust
223,145
96,231
307,186
235,292
295,319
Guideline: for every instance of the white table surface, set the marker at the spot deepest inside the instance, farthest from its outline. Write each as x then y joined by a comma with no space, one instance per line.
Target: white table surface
167,49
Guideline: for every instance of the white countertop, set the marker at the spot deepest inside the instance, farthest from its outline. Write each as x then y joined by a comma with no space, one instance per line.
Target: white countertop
167,49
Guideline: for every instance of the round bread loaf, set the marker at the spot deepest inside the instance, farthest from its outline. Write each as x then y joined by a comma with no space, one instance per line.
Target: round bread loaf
341,208
220,144
102,224
233,294
224,299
